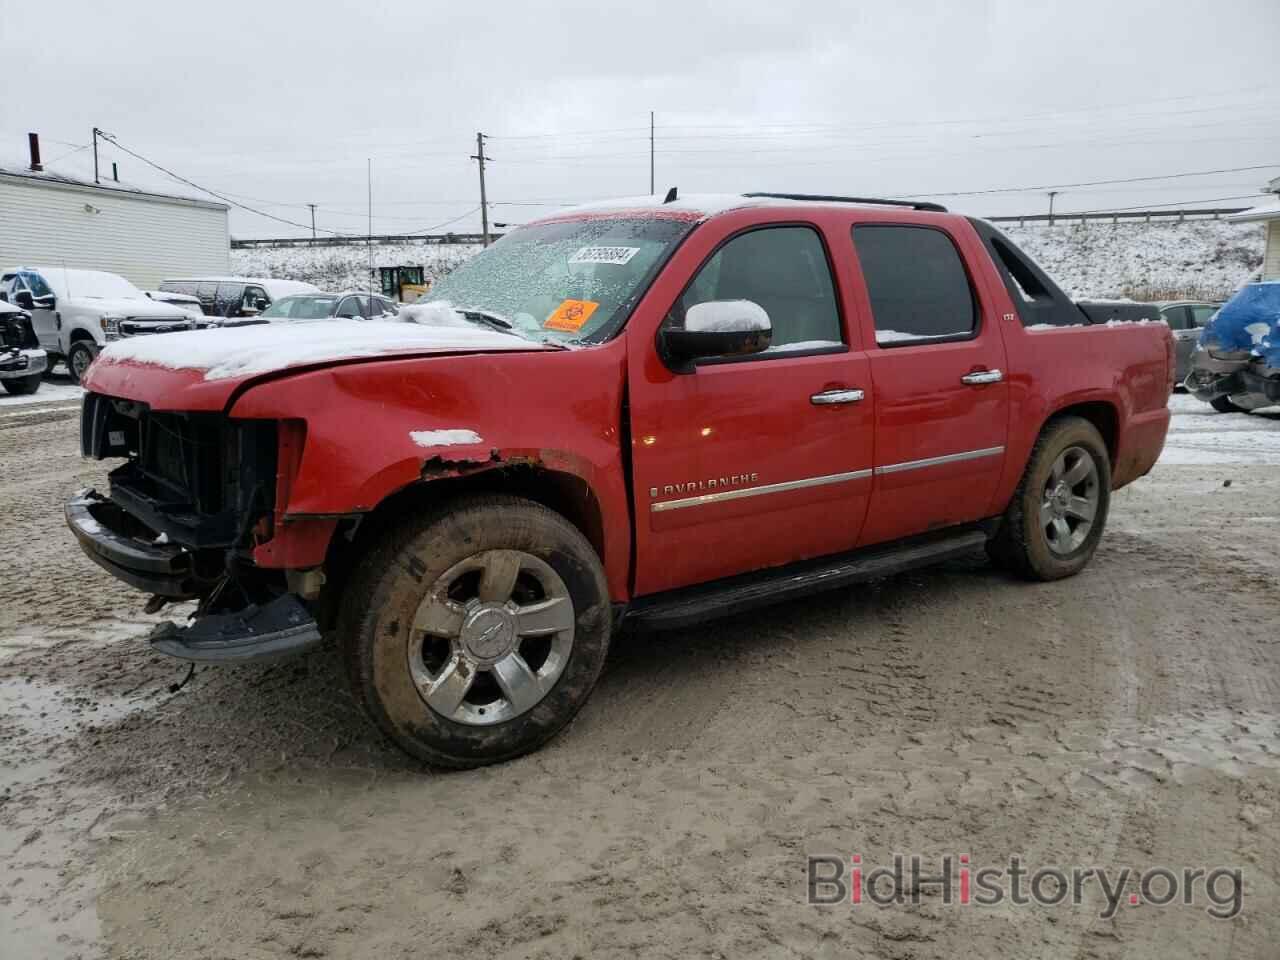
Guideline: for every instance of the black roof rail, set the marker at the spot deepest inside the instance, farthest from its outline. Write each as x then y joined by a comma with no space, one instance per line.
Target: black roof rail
820,198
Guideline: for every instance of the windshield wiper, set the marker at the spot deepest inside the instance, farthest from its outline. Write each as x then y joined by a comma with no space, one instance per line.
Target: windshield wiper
483,316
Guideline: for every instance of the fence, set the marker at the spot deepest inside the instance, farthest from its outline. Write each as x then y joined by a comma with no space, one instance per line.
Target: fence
382,240
1201,213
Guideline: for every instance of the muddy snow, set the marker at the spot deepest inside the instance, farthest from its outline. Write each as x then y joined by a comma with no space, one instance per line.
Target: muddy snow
1123,718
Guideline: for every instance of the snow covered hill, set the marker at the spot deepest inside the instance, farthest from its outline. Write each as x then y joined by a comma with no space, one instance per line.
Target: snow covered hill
1145,261
1206,259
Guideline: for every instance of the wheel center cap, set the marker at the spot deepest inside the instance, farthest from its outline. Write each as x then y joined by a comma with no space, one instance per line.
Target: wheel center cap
489,633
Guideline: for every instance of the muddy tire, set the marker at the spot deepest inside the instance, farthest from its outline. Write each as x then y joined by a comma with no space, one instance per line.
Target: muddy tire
474,634
1224,405
79,357
20,386
1056,517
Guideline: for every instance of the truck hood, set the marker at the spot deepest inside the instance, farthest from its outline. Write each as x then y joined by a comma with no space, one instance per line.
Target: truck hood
138,307
200,370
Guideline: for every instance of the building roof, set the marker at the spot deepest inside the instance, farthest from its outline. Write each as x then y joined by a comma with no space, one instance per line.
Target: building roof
1266,211
54,179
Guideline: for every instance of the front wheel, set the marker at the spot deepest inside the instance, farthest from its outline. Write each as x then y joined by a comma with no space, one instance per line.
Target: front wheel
79,357
1054,521
476,634
23,385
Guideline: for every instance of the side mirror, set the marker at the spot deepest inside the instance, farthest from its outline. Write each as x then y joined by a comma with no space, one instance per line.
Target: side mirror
262,303
717,328
24,299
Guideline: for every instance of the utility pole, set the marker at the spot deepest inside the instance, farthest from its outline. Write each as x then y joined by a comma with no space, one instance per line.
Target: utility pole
370,178
651,153
1052,194
484,202
96,131
313,220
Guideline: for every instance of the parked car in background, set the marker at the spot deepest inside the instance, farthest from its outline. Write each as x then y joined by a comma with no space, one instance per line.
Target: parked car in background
1236,365
75,313
331,306
22,362
1186,318
235,298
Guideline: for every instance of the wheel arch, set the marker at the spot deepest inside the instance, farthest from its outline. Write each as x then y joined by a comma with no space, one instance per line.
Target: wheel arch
1101,413
566,493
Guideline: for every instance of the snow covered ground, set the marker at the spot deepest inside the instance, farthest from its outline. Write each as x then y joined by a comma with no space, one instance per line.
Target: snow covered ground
58,388
1146,261
1199,435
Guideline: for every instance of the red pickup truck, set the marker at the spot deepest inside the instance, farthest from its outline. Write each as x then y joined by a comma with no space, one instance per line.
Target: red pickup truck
643,413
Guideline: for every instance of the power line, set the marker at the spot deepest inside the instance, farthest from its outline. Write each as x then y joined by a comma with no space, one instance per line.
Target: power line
213,193
446,223
1084,183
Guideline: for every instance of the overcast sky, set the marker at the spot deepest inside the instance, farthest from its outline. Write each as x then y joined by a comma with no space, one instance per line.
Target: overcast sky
278,104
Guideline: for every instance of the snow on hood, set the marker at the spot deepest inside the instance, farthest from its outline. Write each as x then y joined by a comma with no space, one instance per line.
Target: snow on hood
224,354
139,307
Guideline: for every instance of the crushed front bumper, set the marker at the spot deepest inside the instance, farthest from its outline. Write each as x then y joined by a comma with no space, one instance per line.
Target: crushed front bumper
22,363
127,550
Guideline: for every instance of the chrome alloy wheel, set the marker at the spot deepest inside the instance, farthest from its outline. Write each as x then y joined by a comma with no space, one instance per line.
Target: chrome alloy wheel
491,637
1070,499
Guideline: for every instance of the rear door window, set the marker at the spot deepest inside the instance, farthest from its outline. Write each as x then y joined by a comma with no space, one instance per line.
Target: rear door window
227,299
1175,317
917,283
1200,314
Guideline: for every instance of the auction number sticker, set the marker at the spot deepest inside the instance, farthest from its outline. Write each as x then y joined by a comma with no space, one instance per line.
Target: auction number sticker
571,315
613,255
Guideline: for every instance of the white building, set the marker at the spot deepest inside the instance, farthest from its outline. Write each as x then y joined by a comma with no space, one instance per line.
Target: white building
50,219
1268,213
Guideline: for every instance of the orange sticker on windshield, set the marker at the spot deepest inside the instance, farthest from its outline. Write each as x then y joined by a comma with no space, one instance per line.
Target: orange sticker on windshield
571,315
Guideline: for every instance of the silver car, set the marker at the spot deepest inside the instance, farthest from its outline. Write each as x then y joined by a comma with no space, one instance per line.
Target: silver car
1186,318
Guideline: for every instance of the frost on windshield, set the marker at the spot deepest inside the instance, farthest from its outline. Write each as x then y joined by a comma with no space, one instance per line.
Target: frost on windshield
569,280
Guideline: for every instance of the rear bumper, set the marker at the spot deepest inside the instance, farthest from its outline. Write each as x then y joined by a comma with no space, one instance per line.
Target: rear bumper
22,363
118,543
1259,385
1207,385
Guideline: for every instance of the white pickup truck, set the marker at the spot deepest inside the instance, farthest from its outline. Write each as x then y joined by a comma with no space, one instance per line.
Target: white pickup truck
76,313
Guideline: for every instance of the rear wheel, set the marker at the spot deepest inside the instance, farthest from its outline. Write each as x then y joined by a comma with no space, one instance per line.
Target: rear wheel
1223,404
23,385
476,635
1056,517
79,357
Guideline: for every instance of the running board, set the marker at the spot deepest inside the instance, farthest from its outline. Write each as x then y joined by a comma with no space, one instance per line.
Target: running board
684,607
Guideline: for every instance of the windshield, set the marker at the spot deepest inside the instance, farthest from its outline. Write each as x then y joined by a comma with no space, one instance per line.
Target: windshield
563,281
300,308
90,283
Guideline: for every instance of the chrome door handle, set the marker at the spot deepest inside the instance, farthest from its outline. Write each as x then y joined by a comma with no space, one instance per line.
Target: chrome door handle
827,397
979,377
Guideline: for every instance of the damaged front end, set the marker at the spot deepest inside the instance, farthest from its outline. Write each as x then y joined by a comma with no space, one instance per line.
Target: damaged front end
1238,356
21,358
187,512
